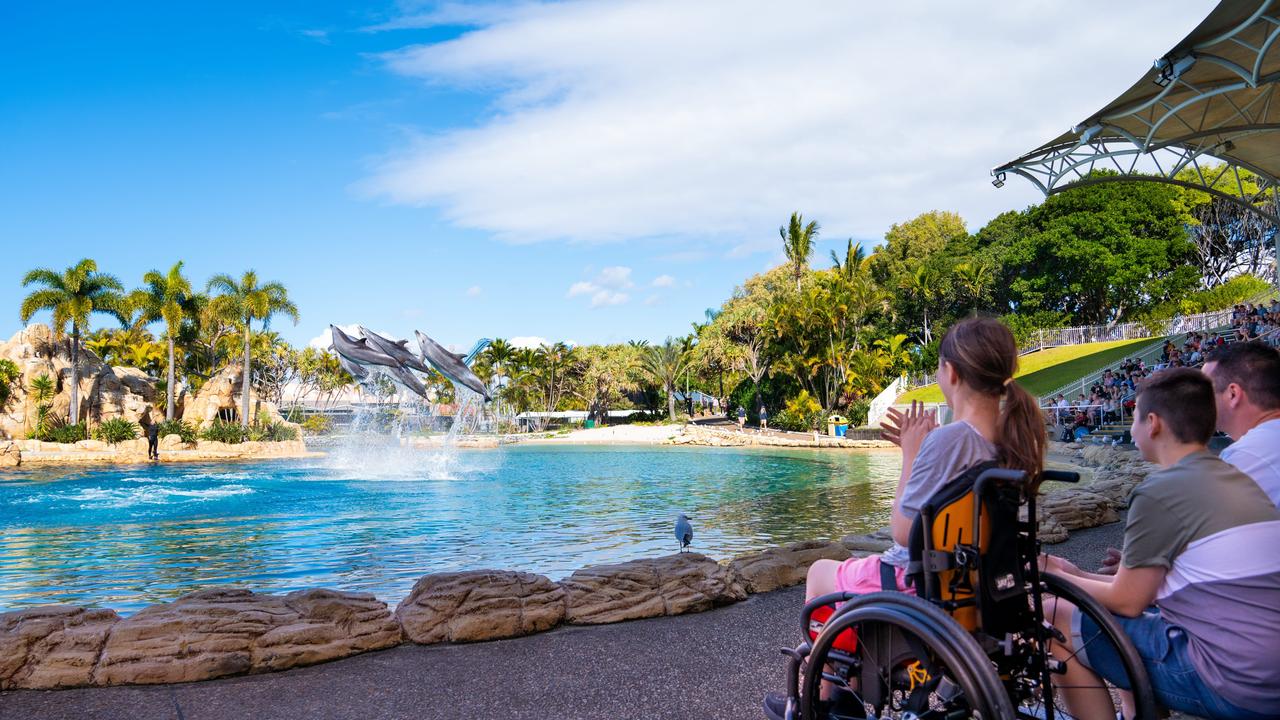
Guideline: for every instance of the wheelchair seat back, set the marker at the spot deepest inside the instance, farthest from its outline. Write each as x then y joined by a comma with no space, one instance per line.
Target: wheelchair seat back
969,548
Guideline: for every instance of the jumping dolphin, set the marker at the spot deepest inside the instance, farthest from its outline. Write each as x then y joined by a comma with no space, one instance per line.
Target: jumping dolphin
408,380
395,349
354,369
450,365
358,351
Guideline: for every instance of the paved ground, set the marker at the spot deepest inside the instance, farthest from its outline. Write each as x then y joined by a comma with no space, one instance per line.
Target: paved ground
704,667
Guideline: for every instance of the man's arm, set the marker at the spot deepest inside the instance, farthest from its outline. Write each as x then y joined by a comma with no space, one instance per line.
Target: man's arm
1131,591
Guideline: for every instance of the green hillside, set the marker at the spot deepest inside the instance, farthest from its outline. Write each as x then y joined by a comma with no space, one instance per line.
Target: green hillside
1045,370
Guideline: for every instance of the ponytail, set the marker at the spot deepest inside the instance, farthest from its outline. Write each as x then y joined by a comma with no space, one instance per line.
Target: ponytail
1022,441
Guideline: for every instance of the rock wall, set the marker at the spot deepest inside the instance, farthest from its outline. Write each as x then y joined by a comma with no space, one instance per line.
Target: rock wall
104,391
715,437
222,394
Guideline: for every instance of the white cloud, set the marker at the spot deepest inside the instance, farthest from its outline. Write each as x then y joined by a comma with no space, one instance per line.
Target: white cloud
717,119
531,342
664,281
606,288
474,291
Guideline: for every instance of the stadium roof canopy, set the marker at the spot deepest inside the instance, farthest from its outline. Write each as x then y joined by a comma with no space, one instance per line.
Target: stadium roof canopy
1213,99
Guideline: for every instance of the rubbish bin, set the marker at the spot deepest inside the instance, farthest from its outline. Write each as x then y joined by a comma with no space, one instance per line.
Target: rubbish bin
836,425
589,424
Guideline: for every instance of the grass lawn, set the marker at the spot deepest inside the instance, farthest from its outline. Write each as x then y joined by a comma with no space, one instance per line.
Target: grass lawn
1046,370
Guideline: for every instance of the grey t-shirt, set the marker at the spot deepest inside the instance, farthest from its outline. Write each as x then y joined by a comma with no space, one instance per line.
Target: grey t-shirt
1216,532
945,453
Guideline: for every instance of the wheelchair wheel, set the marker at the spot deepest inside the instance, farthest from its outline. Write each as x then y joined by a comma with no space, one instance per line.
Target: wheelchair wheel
1136,680
911,660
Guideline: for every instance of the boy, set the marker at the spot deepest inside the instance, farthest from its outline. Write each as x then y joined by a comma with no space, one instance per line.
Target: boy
1198,588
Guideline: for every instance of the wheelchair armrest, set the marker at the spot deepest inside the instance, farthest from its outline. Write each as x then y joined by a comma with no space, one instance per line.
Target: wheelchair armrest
1060,476
821,601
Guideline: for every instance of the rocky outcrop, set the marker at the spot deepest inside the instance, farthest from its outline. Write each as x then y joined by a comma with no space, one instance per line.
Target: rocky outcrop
220,632
10,454
876,542
670,585
221,395
52,647
784,566
480,605
104,391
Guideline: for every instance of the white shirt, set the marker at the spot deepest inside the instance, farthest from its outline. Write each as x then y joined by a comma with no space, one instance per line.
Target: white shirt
1257,454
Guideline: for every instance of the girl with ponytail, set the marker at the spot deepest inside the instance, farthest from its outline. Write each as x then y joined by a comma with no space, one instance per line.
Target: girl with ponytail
994,418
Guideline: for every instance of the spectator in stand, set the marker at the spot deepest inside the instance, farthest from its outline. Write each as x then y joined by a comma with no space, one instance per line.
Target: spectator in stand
1062,411
1246,390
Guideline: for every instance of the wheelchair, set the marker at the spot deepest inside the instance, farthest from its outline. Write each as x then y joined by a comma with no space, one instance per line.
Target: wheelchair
974,641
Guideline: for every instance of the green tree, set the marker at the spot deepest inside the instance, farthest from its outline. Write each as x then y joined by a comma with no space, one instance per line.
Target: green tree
665,363
167,297
1100,253
908,244
797,242
243,302
72,296
608,372
855,258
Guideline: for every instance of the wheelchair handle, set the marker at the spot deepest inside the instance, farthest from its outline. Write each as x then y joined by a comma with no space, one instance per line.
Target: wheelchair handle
1061,476
821,601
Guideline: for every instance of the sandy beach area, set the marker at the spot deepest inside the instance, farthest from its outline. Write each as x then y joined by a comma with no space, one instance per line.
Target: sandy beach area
614,435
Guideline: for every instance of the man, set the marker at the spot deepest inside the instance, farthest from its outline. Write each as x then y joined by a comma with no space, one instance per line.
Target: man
1194,591
742,417
1246,393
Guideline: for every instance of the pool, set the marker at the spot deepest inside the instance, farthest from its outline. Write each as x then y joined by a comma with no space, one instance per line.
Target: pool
378,519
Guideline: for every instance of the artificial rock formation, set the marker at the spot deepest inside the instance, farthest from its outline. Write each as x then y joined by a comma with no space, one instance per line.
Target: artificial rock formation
104,392
10,454
219,632
202,635
480,605
54,646
784,566
221,394
670,585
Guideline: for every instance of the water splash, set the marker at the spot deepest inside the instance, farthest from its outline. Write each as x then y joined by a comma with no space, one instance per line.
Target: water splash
397,442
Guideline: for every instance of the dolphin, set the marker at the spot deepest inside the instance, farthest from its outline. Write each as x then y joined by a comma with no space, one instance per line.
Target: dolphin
396,349
408,380
354,369
358,351
450,365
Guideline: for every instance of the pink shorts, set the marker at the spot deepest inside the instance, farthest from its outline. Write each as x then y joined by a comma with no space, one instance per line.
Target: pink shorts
862,576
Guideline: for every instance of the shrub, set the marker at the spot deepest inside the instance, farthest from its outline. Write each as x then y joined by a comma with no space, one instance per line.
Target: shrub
115,430
9,374
801,414
182,429
317,425
272,432
67,433
224,431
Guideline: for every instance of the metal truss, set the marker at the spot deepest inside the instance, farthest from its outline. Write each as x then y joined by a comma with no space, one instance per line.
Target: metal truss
1206,111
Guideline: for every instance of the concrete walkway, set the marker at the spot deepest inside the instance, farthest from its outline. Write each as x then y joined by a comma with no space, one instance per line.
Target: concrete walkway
705,666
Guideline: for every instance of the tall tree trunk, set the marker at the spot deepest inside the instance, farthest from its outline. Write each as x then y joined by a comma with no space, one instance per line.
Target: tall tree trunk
244,392
169,403
75,373
671,401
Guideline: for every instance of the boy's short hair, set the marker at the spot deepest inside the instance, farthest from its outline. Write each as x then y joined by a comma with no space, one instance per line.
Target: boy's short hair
1183,398
1253,366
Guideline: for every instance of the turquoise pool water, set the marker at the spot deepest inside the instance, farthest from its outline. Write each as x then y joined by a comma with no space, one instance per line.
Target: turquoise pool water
376,521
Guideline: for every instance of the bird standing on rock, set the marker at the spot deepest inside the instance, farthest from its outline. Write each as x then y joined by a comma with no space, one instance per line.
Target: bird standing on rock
684,531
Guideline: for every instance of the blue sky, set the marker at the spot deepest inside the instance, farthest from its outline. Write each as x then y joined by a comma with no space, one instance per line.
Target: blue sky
573,171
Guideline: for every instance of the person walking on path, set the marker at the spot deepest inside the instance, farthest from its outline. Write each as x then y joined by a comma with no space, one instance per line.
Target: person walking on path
764,419
742,418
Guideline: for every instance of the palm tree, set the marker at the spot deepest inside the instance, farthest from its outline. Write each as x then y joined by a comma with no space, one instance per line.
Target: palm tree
665,363
246,301
922,284
797,241
72,296
501,354
167,297
854,256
